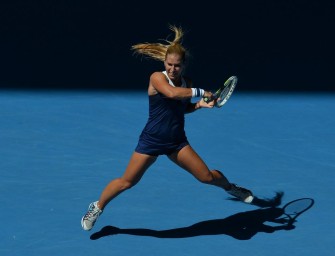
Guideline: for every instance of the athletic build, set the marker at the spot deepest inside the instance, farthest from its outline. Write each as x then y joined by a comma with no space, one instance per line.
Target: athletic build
170,96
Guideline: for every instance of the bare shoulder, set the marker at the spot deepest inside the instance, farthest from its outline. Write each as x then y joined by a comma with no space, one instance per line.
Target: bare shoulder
156,79
157,75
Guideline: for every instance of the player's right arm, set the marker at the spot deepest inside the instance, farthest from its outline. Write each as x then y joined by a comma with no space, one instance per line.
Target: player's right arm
159,83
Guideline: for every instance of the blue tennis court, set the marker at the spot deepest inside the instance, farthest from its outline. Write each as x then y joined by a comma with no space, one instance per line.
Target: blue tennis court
59,149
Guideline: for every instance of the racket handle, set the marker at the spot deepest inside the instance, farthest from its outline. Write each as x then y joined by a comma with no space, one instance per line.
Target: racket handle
209,99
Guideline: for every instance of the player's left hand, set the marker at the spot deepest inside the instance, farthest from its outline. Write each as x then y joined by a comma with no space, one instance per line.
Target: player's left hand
203,104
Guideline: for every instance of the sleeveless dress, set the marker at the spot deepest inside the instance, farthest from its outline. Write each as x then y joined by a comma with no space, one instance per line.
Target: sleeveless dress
164,131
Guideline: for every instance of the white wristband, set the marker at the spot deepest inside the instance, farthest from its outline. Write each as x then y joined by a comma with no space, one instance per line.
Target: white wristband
197,92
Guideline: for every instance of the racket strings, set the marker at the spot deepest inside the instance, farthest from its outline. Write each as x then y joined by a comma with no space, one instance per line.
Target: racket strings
224,94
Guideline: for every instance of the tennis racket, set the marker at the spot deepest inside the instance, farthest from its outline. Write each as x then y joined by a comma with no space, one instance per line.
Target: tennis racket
222,95
295,208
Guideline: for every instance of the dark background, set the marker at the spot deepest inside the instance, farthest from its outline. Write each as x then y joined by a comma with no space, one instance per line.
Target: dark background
269,45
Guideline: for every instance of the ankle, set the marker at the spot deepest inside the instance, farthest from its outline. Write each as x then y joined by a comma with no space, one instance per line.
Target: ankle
99,206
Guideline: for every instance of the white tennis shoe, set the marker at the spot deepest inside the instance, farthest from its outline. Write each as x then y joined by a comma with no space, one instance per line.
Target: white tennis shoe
243,194
89,219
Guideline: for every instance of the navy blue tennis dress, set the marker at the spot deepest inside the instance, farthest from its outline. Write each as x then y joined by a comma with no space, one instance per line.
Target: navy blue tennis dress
164,131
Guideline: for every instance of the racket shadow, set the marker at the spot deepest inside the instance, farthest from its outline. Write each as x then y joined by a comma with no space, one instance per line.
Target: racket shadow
241,226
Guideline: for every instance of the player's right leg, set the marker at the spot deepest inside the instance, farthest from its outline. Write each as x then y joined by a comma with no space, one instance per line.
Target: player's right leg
137,166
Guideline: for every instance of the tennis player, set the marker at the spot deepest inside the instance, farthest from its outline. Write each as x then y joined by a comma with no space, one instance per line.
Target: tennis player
170,94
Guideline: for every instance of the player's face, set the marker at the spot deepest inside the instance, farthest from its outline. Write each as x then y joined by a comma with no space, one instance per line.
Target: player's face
174,66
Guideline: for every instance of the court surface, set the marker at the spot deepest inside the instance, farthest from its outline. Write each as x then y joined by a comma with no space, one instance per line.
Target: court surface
59,149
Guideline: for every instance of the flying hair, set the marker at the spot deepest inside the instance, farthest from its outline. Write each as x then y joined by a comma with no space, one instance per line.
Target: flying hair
158,51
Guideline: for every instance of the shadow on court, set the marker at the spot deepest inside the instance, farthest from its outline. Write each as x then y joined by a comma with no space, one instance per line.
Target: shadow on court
241,226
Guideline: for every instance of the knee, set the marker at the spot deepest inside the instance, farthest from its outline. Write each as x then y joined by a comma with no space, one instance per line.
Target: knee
125,184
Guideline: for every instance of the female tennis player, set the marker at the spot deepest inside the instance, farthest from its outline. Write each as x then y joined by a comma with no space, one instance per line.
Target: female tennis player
170,94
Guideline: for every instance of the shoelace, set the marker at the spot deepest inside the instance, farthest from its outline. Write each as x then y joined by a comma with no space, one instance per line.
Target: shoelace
240,191
91,214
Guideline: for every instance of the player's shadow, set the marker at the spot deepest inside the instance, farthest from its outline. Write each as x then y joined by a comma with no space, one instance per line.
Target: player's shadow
242,226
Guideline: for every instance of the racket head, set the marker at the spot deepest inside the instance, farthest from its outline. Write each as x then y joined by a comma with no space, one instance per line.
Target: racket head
296,207
223,94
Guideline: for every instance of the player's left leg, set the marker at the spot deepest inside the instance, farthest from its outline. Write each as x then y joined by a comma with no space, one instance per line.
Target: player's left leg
189,160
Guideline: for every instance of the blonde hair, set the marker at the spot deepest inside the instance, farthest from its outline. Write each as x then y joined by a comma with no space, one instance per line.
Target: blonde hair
158,51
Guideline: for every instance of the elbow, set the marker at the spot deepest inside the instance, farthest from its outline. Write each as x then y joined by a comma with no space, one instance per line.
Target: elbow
178,93
171,94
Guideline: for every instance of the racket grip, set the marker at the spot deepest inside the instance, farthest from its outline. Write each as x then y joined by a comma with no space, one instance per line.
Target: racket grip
208,99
